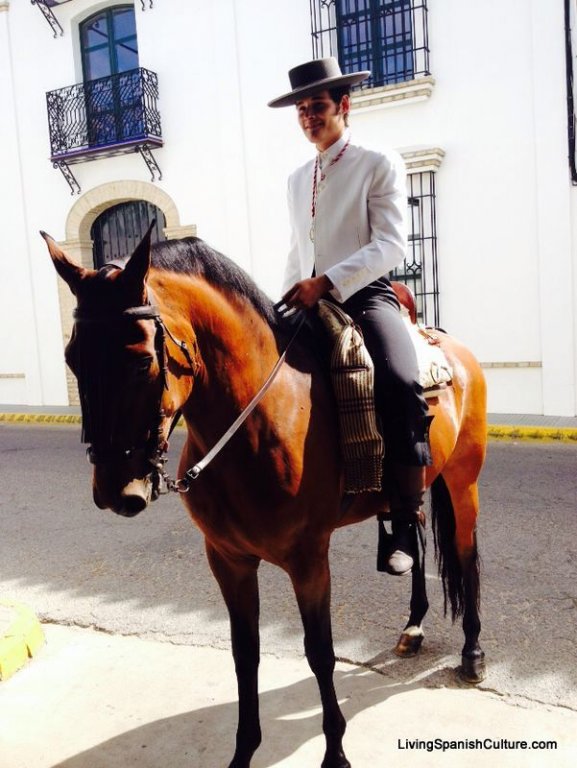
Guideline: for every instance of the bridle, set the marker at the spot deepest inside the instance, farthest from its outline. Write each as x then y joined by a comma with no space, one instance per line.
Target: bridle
155,446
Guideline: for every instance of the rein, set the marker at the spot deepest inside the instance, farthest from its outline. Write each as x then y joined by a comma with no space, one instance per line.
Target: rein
155,447
183,485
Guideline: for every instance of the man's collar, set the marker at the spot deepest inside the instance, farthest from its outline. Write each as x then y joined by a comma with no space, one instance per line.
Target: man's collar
335,148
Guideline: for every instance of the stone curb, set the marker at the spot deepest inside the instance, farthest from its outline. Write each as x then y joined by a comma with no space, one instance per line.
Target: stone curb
543,434
494,431
40,418
21,636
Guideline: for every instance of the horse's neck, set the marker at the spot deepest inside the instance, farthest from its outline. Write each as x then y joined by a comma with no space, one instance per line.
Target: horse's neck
236,345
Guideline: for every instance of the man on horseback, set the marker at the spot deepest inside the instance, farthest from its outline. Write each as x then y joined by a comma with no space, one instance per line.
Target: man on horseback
347,211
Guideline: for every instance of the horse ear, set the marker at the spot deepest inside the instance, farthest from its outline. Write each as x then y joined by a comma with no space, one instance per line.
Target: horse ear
71,272
136,269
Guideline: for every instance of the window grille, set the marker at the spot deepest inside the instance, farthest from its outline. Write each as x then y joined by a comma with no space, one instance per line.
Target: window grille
419,270
119,229
388,37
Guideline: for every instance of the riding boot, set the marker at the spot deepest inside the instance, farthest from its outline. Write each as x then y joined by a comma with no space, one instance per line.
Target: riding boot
406,511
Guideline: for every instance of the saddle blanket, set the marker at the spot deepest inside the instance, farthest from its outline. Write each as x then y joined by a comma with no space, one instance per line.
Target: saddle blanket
352,375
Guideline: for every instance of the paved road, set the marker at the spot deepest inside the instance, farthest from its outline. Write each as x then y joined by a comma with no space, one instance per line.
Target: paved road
75,564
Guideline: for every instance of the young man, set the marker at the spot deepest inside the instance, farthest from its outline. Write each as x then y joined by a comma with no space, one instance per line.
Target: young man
347,212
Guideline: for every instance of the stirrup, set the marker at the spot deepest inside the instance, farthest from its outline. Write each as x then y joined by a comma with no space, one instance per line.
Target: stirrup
391,558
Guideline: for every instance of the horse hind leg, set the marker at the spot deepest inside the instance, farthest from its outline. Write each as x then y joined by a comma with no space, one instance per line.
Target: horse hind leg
239,586
455,509
311,582
411,639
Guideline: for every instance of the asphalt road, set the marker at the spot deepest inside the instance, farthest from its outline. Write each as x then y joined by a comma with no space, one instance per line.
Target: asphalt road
75,564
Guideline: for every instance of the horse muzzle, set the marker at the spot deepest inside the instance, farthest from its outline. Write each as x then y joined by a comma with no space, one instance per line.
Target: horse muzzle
132,498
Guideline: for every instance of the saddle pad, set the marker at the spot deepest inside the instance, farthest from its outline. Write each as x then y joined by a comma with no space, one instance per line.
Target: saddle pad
434,369
352,375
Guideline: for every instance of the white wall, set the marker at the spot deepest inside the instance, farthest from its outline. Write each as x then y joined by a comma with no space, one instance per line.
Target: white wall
505,206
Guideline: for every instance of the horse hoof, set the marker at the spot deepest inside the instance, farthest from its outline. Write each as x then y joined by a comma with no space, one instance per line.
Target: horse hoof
336,761
473,669
408,645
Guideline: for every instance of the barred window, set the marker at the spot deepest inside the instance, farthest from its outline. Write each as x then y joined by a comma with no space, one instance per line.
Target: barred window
388,37
119,229
419,270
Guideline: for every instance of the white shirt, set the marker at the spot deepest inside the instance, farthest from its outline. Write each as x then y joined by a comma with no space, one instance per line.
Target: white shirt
360,222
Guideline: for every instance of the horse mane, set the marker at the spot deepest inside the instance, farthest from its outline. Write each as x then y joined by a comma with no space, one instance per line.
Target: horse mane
192,256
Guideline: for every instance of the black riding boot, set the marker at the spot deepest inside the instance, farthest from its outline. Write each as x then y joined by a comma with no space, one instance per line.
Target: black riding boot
406,510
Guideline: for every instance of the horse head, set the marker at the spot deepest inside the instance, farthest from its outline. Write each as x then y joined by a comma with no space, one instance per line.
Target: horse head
117,352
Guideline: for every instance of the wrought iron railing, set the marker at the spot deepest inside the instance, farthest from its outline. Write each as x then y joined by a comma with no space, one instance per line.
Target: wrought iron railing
388,37
110,112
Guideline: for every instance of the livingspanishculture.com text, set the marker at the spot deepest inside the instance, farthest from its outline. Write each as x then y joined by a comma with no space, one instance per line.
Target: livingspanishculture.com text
444,745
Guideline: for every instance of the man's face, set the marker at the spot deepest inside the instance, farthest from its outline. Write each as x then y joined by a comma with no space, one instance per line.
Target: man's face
321,119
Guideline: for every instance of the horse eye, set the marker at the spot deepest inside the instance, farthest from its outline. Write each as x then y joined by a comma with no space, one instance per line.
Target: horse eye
141,367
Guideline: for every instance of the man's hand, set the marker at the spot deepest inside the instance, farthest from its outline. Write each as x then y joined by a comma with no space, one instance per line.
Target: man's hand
306,293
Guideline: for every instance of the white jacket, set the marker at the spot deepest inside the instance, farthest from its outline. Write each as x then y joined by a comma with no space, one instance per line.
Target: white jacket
360,223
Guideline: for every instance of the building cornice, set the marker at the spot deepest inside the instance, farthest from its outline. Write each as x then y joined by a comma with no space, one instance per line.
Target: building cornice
422,159
393,95
4,5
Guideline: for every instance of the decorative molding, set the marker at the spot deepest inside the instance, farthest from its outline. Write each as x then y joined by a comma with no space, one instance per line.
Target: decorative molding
88,208
12,375
422,159
393,95
4,5
175,233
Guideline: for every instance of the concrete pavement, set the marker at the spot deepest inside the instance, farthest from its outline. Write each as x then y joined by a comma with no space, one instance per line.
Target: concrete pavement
94,700
88,699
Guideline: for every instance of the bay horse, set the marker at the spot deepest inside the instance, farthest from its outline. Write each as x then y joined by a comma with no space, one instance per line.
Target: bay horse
179,328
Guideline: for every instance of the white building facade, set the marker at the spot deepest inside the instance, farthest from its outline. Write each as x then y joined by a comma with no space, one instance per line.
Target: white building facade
115,112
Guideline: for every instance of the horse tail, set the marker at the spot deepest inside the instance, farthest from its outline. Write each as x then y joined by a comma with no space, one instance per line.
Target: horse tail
446,554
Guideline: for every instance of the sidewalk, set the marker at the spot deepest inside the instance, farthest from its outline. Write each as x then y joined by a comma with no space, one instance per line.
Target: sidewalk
93,700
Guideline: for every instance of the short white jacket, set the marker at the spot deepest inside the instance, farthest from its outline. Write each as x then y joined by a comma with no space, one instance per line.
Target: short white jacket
360,223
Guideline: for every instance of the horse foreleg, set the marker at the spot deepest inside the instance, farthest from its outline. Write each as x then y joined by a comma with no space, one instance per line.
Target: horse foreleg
412,636
239,586
311,582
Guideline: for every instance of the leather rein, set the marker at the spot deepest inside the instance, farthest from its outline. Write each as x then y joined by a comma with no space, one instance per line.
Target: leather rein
155,448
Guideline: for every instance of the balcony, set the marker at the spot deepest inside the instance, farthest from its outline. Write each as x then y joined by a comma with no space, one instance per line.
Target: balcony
100,118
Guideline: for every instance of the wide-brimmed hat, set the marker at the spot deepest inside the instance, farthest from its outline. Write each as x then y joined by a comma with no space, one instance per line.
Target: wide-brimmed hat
315,76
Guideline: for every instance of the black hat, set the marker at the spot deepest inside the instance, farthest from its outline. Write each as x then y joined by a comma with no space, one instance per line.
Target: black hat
315,76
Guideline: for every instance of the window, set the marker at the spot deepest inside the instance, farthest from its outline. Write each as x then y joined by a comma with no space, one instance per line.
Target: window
388,37
419,270
113,99
376,35
108,41
118,230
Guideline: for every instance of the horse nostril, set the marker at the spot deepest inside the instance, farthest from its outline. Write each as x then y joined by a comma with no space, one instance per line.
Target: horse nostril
133,504
134,497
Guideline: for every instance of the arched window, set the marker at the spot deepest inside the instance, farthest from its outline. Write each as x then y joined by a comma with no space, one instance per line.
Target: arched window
118,230
108,42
